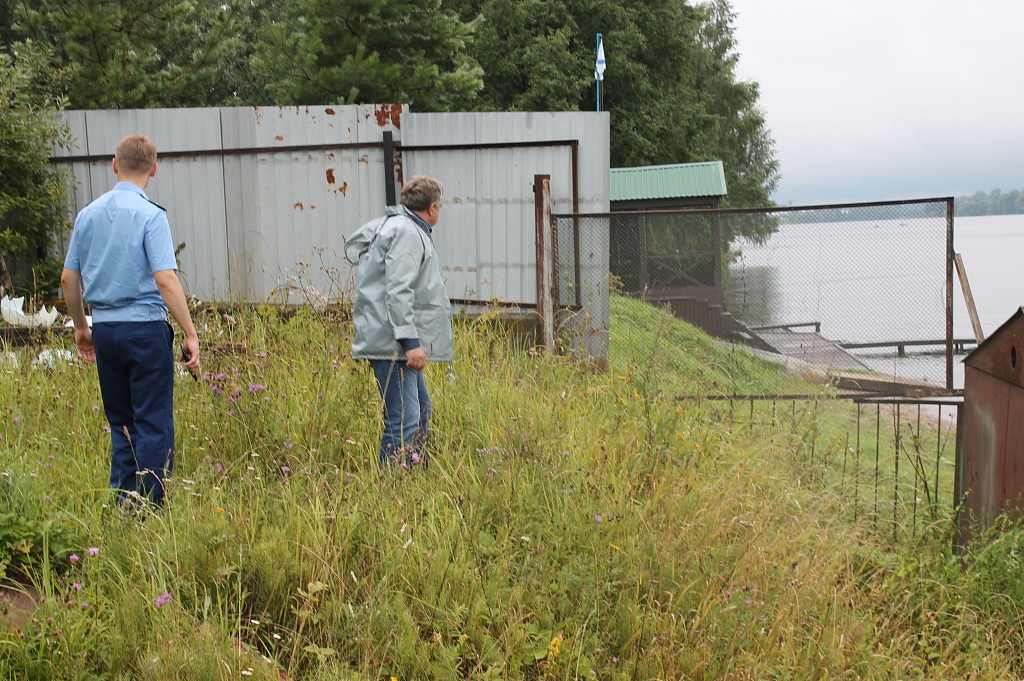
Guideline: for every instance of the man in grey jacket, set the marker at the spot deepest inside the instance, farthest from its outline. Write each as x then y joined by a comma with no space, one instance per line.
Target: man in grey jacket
402,314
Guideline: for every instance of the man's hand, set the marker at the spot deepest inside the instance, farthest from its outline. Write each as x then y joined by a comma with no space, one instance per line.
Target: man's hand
416,359
83,341
191,349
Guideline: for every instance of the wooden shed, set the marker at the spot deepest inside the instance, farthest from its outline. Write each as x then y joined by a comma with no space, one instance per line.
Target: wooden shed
990,478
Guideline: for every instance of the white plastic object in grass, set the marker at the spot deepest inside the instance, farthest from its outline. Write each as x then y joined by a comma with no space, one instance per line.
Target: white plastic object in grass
11,309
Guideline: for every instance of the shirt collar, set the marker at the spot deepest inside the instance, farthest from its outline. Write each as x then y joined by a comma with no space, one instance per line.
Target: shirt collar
423,223
132,187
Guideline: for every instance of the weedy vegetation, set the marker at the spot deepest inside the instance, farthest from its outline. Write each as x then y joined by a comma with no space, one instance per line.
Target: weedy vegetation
571,524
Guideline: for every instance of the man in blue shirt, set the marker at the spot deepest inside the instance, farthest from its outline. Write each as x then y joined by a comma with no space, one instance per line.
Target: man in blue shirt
122,253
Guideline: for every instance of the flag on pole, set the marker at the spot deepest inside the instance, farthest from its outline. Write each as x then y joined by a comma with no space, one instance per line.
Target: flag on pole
600,66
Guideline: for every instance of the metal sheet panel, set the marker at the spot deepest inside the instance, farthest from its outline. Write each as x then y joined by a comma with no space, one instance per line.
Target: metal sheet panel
486,237
289,211
678,180
260,222
986,400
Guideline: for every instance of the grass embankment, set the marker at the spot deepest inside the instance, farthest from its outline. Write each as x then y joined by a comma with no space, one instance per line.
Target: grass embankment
571,525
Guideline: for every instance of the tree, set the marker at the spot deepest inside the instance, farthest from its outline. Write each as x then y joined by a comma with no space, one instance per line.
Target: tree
670,87
32,194
137,53
354,51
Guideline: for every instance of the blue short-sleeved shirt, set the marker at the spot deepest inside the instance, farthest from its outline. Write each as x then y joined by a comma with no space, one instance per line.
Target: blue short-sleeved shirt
119,241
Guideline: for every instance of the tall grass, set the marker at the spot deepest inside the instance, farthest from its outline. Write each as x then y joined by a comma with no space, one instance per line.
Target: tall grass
572,524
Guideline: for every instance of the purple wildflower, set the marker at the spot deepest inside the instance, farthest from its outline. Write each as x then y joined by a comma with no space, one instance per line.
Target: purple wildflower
285,469
85,605
748,601
217,467
70,406
220,377
414,457
73,558
93,551
598,518
95,407
288,445
319,396
17,420
231,412
48,498
256,387
77,586
728,594
162,600
106,429
403,466
208,459
263,354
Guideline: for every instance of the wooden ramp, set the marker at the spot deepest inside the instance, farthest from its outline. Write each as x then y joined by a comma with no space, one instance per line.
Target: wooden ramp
811,346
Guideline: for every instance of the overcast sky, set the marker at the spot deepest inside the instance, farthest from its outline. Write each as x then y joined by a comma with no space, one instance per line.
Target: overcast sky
888,99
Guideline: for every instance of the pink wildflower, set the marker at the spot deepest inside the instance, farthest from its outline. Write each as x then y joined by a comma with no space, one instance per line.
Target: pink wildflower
598,519
162,600
95,407
285,469
77,586
93,551
73,558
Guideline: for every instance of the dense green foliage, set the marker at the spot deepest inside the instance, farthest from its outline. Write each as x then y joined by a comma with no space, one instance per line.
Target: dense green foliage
353,51
670,88
137,53
993,203
571,525
32,194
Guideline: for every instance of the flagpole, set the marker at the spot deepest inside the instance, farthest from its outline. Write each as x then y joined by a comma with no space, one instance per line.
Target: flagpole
598,80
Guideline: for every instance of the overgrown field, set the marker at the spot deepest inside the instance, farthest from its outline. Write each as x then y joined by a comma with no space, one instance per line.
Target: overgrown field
572,524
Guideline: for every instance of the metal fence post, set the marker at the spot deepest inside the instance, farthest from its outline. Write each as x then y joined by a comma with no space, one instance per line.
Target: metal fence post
949,293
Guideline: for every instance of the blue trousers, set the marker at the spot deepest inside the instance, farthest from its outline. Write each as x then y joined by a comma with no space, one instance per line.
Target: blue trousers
135,362
406,412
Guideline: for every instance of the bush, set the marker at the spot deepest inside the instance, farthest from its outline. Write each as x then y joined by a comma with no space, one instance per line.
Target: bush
32,192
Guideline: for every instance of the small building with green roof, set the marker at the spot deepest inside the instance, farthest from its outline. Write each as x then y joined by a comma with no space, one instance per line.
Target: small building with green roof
679,185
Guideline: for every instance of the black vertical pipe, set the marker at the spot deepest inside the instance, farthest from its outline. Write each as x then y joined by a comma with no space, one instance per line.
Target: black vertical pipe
389,169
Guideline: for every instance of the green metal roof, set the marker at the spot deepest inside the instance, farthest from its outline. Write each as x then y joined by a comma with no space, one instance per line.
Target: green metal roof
668,182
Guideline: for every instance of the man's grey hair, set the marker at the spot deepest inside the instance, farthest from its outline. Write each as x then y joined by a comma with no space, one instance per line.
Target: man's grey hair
421,191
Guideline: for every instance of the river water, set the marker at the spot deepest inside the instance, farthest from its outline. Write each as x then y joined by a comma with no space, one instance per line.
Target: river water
879,280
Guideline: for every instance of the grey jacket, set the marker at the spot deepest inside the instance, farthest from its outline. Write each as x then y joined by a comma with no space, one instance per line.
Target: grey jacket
400,293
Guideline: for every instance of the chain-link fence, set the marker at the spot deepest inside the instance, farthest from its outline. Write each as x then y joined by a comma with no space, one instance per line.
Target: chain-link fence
856,287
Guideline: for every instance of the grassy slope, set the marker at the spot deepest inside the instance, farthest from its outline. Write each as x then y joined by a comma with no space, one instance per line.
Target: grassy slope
571,525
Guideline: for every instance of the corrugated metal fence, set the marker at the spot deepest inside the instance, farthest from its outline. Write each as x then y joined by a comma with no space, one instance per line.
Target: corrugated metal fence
263,197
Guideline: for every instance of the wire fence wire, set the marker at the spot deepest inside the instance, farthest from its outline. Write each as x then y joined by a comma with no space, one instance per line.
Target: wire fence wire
860,287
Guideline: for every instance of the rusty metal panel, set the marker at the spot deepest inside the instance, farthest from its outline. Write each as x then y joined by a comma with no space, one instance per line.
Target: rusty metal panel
289,211
986,418
1013,464
1002,353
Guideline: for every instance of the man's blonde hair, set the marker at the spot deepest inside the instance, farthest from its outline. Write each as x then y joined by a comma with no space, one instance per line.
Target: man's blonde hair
421,191
135,155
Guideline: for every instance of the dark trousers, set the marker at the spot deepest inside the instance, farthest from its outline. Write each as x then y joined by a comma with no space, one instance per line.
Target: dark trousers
135,361
406,412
